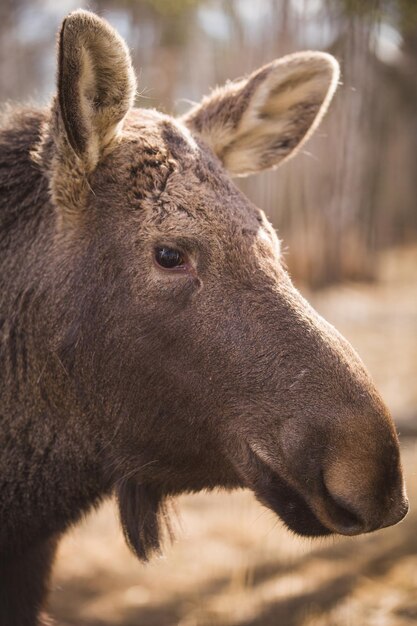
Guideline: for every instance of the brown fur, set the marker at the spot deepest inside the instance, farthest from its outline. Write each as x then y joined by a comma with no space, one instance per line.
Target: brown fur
120,377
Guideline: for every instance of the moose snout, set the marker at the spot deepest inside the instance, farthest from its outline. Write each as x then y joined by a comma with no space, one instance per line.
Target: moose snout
360,498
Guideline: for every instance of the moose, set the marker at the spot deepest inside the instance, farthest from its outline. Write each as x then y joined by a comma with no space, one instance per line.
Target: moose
151,340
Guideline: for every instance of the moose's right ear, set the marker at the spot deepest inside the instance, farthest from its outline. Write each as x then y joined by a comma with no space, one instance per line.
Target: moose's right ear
96,84
255,123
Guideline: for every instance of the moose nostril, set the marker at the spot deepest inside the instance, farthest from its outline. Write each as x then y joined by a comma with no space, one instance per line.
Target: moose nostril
362,503
349,516
343,514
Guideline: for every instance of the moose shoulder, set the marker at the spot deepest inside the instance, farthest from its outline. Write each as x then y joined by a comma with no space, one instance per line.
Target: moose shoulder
151,341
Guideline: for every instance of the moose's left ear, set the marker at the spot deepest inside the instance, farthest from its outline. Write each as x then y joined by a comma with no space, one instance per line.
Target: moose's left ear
96,84
255,123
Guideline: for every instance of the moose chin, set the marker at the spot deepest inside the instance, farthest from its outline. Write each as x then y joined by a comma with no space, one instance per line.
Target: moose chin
151,340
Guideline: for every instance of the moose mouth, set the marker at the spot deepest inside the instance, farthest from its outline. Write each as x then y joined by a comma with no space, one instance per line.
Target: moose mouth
275,493
287,503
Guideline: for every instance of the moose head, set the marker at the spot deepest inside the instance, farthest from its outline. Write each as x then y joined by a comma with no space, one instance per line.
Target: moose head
192,357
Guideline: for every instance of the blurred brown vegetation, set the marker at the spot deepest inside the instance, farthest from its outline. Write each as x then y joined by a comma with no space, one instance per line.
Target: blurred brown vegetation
353,190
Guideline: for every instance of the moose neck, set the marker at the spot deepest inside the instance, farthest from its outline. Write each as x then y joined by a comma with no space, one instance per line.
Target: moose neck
49,465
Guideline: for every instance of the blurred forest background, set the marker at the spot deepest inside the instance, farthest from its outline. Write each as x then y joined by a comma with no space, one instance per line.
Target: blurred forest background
346,209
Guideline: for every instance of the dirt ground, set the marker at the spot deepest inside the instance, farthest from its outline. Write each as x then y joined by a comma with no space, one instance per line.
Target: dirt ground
233,563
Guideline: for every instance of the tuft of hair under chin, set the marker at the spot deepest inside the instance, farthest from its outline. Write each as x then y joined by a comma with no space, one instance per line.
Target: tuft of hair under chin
144,515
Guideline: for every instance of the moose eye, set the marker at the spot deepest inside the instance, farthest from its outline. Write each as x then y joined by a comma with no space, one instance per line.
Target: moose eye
169,258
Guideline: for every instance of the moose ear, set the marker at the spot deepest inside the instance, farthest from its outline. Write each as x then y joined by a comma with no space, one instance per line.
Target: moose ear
96,84
255,123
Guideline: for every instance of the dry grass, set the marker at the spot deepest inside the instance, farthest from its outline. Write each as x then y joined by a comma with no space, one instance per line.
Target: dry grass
233,563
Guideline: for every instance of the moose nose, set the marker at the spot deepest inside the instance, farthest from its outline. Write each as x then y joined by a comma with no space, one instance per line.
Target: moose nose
356,503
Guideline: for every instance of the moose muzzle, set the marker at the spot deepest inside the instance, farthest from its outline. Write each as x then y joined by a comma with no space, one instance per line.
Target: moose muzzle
348,485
